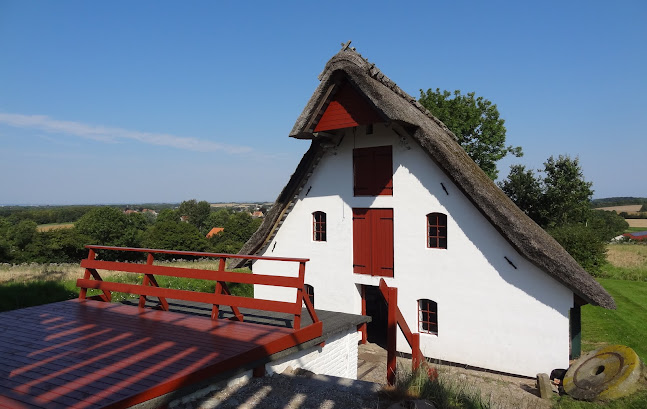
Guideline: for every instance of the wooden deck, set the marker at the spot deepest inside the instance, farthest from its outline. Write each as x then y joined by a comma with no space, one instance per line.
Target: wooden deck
92,354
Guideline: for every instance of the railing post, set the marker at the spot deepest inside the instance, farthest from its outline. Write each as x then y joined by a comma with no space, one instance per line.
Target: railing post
391,334
145,280
86,276
416,354
302,277
362,328
215,310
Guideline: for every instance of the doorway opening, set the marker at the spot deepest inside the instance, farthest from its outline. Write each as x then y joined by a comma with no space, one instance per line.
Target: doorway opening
374,306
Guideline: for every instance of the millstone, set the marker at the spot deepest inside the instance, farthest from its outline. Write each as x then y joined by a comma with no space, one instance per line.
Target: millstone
606,373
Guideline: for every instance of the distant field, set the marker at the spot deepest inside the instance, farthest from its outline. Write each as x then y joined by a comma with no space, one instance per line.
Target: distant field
626,208
52,226
637,222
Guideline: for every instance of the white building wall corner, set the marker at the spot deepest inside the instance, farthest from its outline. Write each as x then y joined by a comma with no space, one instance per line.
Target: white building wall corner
338,357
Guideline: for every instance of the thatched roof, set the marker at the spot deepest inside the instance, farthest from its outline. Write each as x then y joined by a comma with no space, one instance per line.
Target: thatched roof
397,107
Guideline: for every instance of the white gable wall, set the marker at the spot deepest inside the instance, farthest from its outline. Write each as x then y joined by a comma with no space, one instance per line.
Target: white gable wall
490,314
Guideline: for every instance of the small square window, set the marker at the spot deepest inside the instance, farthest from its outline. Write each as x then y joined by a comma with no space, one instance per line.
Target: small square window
427,317
319,226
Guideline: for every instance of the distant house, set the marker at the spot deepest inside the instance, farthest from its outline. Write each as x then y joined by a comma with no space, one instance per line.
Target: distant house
151,211
215,231
637,235
258,214
184,219
385,191
130,211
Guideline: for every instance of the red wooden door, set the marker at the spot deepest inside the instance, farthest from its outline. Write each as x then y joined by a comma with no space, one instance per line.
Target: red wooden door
373,242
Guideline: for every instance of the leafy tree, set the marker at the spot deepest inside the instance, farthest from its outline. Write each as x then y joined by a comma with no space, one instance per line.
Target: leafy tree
168,215
240,227
174,236
607,224
524,189
65,245
197,212
22,234
560,203
103,225
561,197
583,244
475,122
216,219
5,248
566,195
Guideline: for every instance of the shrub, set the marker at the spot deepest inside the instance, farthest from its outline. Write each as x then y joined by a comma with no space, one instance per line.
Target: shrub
582,242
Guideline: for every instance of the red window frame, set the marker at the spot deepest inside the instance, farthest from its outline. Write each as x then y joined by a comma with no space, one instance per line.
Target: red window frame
319,226
437,231
427,316
310,293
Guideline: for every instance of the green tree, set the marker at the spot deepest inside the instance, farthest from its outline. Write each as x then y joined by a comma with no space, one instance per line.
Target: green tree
65,245
168,215
583,244
5,247
174,236
22,234
559,198
566,195
606,224
644,208
103,225
216,219
196,212
523,187
475,122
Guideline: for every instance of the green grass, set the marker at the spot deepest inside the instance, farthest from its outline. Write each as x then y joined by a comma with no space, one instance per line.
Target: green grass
627,325
28,294
635,401
634,229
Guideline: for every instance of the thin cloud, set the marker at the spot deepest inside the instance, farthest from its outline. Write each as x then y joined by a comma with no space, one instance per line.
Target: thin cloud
106,134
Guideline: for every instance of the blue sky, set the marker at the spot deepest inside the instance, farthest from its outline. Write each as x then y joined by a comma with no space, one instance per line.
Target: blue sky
154,101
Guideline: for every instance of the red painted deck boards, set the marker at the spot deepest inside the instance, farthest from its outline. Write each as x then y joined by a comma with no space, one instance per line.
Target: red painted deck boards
91,354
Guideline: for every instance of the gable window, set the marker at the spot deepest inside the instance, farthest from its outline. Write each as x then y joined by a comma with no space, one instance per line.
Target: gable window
319,226
310,293
437,231
427,317
373,171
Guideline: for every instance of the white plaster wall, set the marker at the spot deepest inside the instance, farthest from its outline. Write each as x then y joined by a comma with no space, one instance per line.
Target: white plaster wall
490,314
338,357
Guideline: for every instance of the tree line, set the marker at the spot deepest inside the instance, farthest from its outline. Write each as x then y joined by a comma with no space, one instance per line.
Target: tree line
184,228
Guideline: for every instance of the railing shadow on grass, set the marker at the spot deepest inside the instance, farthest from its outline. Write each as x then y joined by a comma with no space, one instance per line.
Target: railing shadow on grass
14,295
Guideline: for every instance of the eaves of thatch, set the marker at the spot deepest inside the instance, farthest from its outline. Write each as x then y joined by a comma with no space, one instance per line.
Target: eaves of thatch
404,111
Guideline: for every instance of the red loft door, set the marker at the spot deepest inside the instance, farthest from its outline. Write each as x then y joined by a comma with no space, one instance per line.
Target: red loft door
373,242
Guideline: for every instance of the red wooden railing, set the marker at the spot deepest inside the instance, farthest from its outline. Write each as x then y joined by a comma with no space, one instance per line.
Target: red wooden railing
395,319
221,296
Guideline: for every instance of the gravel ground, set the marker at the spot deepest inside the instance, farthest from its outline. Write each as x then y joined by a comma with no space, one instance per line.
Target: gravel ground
322,392
291,392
